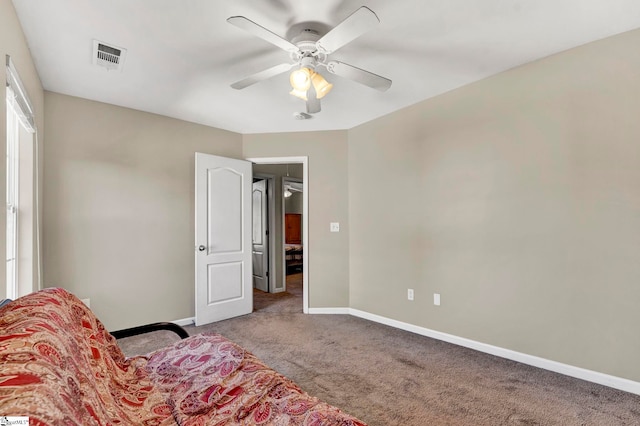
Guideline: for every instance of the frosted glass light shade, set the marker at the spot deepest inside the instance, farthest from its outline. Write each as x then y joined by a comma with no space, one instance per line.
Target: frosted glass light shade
301,79
302,94
321,85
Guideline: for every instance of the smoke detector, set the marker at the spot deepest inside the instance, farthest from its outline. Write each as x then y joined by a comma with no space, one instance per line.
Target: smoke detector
108,56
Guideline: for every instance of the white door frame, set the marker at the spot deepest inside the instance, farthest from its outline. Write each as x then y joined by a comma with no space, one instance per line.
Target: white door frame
305,217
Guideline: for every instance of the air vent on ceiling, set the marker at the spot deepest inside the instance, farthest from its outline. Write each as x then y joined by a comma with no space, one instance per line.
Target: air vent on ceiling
108,56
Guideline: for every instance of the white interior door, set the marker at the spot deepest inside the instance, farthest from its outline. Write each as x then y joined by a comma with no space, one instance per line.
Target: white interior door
260,236
224,287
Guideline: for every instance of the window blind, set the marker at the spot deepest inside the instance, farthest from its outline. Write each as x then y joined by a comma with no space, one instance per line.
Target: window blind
18,99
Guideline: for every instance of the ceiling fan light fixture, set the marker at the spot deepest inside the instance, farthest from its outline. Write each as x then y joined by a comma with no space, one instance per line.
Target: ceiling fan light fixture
321,86
302,94
300,79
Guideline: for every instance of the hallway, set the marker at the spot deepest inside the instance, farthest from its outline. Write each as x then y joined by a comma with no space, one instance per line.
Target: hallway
289,301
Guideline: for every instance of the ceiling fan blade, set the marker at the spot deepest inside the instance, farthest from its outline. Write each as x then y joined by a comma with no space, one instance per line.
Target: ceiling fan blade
260,31
356,24
359,75
313,103
262,75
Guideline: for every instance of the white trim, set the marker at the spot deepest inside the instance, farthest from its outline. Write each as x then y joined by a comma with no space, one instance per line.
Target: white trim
185,321
21,105
20,99
36,156
305,217
558,367
283,227
331,311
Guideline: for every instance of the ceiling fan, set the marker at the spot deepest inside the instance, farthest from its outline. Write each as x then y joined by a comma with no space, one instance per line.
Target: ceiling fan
310,50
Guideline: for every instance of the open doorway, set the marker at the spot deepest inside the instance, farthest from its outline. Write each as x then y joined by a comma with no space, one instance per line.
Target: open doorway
289,170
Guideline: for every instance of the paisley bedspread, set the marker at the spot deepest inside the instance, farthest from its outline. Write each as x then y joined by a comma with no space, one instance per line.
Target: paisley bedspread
59,366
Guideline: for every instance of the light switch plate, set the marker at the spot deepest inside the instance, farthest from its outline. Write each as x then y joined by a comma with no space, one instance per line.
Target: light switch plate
334,227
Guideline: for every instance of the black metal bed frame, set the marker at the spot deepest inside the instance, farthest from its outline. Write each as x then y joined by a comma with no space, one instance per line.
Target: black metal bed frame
149,328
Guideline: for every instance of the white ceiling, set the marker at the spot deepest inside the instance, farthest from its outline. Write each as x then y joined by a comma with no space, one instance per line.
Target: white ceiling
182,55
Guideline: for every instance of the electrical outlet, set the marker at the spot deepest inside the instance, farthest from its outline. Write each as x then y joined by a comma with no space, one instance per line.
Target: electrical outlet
86,302
436,299
334,227
410,294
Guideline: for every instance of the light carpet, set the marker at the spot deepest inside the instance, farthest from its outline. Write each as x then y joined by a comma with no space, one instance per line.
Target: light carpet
386,376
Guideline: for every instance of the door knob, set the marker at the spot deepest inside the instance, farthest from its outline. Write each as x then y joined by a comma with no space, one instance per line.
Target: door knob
202,248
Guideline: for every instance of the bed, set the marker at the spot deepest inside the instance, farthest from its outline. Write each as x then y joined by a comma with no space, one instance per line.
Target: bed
59,366
293,258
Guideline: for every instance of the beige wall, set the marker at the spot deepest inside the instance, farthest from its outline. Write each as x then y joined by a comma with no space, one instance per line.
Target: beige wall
294,203
119,203
328,197
518,200
119,207
13,43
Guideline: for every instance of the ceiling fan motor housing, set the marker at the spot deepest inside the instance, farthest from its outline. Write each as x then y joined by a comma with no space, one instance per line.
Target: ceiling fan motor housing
307,54
306,40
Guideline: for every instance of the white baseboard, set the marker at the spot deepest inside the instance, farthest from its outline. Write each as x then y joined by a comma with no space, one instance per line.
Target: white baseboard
336,311
568,370
185,321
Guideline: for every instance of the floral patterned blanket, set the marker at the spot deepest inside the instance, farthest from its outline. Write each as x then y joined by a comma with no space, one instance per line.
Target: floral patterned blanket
59,366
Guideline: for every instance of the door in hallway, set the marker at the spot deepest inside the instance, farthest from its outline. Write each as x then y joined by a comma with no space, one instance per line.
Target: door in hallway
260,236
